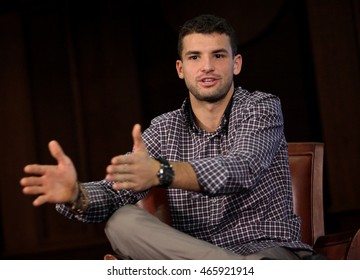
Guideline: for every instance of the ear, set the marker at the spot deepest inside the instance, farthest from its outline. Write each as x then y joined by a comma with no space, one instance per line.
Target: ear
237,64
179,69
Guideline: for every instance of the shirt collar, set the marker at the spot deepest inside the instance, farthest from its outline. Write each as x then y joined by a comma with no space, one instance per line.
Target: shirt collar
189,116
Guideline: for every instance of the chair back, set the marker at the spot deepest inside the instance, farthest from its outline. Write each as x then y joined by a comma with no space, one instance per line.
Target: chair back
306,167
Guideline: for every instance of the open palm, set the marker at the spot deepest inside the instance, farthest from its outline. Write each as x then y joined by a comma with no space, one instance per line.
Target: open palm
51,183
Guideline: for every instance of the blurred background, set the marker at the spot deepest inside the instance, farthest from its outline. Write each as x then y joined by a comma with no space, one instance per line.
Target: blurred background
83,72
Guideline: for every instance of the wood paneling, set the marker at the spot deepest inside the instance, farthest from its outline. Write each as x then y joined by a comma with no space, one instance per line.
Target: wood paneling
61,78
334,30
17,138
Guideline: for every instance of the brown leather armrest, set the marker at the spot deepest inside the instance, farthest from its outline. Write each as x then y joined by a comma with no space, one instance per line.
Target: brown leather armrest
336,246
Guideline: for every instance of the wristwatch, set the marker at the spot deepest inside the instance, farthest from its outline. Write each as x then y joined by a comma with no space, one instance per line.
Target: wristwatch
165,173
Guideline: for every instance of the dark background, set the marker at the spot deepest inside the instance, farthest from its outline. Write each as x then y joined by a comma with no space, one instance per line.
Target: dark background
83,72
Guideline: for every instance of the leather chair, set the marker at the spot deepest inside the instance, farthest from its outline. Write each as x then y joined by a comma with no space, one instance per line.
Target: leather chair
306,167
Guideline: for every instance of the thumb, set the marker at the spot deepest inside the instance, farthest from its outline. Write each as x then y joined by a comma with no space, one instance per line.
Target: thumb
57,152
138,142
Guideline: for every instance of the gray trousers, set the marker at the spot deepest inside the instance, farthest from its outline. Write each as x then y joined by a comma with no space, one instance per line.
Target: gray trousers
135,234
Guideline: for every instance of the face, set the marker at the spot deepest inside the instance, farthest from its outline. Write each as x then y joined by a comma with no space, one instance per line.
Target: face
208,66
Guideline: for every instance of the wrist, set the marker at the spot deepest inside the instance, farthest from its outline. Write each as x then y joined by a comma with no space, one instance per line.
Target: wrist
76,194
165,174
81,201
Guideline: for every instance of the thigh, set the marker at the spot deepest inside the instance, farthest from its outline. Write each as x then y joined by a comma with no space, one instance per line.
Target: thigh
135,234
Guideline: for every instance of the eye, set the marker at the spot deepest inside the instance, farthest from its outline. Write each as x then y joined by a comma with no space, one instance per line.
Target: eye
193,57
219,55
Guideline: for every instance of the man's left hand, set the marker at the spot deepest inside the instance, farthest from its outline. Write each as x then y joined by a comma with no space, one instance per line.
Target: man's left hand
136,171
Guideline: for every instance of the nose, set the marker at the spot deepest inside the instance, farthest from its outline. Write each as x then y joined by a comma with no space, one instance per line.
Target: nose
207,65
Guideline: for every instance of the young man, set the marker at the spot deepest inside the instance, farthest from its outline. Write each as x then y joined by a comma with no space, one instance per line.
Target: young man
222,158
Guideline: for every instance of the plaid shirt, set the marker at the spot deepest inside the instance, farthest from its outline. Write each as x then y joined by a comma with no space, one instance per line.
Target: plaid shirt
246,201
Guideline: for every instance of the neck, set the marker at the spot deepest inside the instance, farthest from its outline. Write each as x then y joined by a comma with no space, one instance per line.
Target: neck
208,115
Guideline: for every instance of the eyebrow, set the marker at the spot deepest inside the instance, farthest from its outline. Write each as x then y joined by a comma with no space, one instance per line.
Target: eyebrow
222,50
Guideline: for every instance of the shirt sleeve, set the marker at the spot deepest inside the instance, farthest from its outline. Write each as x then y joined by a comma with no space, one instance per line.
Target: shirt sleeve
256,137
103,202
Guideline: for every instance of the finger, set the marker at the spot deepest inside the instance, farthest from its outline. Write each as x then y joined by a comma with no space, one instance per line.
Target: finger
118,168
138,141
124,185
33,190
123,159
117,186
117,177
37,169
57,152
31,181
40,200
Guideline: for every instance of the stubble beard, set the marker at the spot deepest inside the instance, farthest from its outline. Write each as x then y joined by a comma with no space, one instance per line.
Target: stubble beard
214,97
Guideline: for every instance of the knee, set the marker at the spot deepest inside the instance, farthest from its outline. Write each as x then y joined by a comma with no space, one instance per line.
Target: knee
122,222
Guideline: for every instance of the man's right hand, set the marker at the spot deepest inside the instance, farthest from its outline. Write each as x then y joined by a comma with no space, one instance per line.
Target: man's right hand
51,183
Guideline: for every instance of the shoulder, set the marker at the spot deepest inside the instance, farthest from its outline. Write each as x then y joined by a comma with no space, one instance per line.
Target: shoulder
163,131
165,124
243,96
245,100
169,118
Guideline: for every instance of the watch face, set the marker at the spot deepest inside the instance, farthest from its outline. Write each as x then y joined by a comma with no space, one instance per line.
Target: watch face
168,175
165,174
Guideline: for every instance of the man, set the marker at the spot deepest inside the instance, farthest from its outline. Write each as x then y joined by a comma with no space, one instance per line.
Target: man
222,158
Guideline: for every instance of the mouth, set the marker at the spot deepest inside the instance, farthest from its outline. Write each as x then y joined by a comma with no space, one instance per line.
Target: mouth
208,82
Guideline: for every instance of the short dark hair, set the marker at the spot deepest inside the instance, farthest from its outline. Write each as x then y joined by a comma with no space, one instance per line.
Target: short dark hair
207,24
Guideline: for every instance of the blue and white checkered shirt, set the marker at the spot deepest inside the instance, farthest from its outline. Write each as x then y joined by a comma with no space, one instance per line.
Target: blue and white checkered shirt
246,203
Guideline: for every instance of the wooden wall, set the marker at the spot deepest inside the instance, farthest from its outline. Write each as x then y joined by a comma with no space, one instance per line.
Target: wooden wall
335,39
84,73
